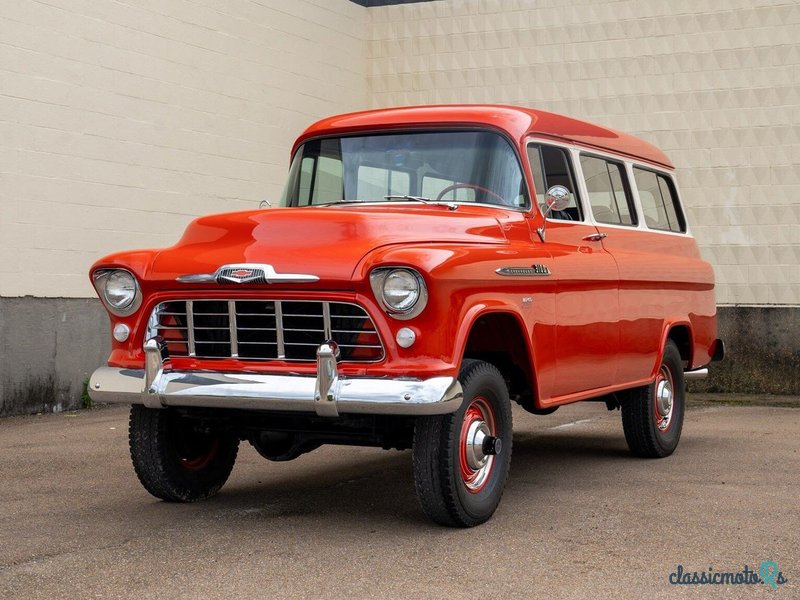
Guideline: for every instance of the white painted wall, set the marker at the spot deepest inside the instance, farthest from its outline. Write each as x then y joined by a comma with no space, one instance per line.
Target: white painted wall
714,84
122,120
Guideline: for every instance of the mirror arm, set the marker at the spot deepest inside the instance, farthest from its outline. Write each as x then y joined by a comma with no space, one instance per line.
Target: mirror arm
541,229
557,198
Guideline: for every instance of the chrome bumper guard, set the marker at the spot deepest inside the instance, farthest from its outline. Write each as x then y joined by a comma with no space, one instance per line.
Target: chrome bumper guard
327,394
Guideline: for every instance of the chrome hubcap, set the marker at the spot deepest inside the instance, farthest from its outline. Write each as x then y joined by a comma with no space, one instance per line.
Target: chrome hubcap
477,445
476,434
664,399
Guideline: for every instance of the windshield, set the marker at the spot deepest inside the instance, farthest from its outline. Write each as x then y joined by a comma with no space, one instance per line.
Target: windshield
445,166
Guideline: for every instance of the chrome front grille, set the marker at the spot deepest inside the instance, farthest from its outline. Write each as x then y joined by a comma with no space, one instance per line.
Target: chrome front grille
264,329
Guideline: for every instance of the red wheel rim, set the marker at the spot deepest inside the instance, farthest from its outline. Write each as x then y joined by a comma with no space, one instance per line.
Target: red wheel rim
195,454
479,422
664,401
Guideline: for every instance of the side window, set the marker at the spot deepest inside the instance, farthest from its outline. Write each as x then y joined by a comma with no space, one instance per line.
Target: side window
609,194
551,166
659,201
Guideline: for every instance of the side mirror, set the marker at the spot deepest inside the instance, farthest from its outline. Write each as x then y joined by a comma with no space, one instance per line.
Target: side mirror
556,198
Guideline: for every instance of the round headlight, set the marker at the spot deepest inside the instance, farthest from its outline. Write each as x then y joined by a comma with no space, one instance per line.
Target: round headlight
401,290
120,289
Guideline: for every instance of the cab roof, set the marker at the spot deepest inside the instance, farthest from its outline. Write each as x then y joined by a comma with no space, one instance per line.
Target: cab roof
515,121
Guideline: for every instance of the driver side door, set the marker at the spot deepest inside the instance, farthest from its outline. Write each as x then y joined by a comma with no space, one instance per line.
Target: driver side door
587,282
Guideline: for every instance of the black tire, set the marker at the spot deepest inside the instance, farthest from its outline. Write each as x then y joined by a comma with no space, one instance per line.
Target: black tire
646,431
179,459
450,491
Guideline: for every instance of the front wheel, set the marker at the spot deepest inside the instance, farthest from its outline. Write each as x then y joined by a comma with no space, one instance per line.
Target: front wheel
461,460
652,416
179,459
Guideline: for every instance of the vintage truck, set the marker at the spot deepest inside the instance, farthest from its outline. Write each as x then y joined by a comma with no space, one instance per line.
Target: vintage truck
426,267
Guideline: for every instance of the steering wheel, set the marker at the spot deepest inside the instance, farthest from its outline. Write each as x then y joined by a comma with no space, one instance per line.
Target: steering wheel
469,186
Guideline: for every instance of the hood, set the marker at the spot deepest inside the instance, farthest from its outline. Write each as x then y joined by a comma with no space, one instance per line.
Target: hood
324,241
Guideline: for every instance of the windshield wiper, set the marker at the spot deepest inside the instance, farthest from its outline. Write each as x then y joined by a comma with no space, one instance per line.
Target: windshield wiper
334,202
450,205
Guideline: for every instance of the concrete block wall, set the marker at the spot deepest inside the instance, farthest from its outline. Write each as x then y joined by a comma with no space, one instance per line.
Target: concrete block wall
714,84
121,121
48,348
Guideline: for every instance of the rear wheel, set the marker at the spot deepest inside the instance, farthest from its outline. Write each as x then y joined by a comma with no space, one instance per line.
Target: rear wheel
176,458
461,460
652,416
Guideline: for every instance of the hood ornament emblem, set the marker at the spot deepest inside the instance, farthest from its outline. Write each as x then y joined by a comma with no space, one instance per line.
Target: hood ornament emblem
240,274
247,273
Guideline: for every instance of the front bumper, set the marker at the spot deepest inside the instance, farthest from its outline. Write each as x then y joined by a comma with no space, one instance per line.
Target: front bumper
326,394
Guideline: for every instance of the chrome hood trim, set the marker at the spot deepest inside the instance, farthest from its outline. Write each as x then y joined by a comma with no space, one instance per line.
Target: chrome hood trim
247,273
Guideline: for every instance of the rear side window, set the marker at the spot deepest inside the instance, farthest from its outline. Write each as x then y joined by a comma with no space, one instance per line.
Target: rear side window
609,193
659,199
551,166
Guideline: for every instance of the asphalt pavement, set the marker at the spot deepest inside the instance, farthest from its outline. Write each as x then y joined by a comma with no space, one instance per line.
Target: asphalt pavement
580,518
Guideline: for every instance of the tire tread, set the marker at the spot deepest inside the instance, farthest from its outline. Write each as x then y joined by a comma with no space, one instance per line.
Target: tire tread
149,438
434,438
637,407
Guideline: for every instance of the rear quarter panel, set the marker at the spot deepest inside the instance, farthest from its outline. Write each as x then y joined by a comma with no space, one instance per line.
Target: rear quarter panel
663,282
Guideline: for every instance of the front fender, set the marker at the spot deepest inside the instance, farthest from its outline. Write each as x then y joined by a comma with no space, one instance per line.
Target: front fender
463,286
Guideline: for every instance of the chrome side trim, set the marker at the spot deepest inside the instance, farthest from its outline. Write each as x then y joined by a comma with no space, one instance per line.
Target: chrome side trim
247,273
197,278
532,271
696,374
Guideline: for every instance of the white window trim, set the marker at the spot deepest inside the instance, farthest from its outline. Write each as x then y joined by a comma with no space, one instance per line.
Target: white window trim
583,192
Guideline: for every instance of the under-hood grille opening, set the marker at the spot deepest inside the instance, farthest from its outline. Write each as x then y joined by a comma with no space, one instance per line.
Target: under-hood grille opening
264,329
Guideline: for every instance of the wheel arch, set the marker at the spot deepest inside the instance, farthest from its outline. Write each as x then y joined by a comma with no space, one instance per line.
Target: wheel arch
498,335
680,332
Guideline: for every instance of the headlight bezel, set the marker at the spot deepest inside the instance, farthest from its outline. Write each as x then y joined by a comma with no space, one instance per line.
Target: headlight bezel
101,278
378,278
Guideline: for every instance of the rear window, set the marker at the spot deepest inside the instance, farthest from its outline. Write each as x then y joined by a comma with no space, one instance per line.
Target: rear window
660,206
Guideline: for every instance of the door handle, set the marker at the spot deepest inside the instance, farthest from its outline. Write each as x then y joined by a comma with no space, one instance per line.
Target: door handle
594,237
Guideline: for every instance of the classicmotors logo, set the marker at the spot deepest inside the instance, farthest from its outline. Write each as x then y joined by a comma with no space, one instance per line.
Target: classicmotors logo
767,573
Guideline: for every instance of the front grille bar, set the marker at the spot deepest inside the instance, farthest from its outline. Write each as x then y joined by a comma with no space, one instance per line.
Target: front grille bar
190,327
326,320
279,330
232,328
